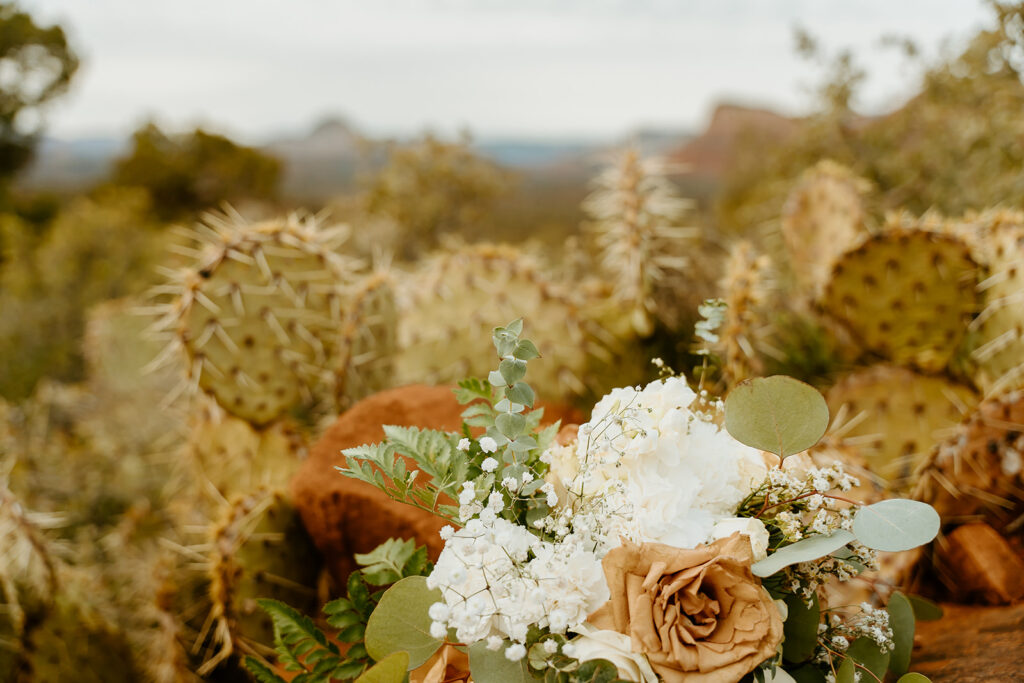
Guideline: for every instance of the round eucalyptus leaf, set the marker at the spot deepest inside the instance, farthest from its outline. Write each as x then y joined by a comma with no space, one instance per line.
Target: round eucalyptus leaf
902,623
391,669
914,678
802,551
492,666
800,629
401,622
896,525
865,652
778,414
924,609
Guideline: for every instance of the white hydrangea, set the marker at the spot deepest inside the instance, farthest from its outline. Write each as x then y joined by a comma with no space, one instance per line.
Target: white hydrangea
497,579
674,471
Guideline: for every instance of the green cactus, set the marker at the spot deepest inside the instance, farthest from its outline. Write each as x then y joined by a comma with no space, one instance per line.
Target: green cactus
635,216
259,315
75,643
459,297
996,336
894,416
259,550
823,216
907,295
235,457
369,339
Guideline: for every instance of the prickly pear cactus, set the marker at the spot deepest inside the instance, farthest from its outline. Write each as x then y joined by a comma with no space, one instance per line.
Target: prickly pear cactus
745,291
979,468
823,217
260,550
369,339
235,457
906,294
895,416
460,297
997,335
259,315
74,642
636,216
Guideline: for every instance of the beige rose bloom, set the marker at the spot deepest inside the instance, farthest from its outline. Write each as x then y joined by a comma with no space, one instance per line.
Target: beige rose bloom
699,615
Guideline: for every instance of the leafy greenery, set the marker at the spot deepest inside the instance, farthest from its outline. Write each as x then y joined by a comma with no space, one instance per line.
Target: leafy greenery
401,623
777,414
303,647
895,525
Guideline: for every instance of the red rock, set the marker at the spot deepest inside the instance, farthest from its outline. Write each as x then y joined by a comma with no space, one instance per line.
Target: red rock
978,565
345,516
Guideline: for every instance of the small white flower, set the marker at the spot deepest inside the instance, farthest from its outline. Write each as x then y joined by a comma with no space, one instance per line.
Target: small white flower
493,643
439,611
463,445
488,445
510,483
527,477
438,629
515,652
447,531
550,646
489,464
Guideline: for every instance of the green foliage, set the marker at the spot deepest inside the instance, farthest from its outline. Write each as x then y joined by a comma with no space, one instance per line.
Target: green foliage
913,678
431,188
38,65
392,560
924,609
802,551
491,666
391,669
400,622
895,525
902,623
863,654
777,414
801,628
186,174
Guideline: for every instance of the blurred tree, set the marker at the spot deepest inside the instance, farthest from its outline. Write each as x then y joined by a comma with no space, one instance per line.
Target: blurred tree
96,249
36,65
431,188
185,174
957,144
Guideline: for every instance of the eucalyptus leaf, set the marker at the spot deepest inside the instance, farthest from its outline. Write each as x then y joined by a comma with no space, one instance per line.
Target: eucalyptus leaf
400,622
800,629
865,652
492,666
526,350
802,551
896,525
495,379
391,669
808,673
512,370
924,609
914,678
510,425
902,623
521,392
778,414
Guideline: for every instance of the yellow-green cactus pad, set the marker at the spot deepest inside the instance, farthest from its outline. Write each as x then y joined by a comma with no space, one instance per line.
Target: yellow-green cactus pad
907,295
260,550
369,339
259,315
895,416
458,298
823,217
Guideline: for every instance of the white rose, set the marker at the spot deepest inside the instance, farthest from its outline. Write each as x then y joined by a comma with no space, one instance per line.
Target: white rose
592,643
752,528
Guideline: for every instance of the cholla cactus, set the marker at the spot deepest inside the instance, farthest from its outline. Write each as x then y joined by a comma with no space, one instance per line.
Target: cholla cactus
635,217
745,289
259,315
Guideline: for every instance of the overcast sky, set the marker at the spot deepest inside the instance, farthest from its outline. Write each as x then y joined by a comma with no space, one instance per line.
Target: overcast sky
537,68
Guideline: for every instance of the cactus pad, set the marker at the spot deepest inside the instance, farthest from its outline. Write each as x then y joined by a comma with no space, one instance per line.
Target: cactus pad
997,334
823,217
260,550
979,469
894,416
259,314
906,294
369,339
458,298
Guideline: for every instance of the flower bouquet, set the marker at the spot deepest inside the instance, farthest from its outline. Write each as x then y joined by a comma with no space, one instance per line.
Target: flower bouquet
670,538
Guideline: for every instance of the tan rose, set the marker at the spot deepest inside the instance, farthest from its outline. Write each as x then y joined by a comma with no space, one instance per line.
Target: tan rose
699,615
447,665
